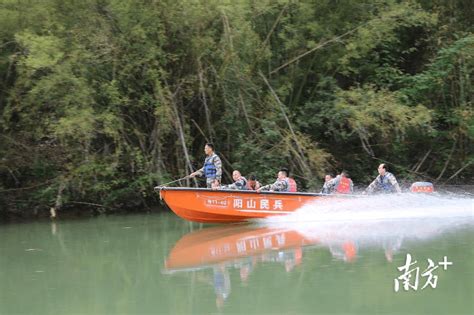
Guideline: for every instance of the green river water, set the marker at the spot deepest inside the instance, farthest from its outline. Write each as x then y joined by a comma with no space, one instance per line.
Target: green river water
339,262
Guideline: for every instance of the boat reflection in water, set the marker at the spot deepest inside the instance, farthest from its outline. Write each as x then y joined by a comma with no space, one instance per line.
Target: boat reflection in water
240,247
243,247
220,244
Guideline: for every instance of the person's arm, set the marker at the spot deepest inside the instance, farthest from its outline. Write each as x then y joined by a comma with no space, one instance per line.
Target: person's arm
332,184
270,187
372,186
276,186
230,186
280,185
199,172
218,165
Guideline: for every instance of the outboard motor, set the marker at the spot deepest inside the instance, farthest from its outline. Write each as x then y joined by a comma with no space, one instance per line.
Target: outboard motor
422,187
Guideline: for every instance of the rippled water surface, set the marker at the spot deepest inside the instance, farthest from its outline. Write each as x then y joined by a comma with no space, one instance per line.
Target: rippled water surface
327,258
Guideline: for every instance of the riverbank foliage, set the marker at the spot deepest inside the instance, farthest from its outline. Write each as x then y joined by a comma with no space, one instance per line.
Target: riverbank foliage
101,100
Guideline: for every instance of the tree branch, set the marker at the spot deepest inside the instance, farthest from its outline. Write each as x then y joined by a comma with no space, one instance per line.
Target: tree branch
316,48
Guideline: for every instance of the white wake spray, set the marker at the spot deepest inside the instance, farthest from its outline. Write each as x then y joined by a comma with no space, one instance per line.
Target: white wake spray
381,207
378,220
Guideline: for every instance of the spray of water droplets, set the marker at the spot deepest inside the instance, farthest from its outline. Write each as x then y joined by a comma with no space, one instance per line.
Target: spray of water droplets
378,219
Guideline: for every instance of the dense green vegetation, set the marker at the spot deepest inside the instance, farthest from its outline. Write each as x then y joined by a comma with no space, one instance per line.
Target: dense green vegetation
100,100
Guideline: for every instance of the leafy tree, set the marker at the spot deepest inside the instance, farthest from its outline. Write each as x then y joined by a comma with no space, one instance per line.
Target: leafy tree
100,100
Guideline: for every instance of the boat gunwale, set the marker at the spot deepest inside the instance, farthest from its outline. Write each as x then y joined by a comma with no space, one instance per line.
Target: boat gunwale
253,192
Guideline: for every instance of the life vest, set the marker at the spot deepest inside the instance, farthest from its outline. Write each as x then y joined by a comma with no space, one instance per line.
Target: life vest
385,184
291,185
210,170
344,186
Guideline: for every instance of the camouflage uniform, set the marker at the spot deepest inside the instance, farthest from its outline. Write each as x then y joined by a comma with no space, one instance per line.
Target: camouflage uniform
240,184
385,184
216,161
279,185
328,187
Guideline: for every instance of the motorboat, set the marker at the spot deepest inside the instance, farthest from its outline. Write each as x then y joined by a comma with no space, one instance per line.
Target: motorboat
230,206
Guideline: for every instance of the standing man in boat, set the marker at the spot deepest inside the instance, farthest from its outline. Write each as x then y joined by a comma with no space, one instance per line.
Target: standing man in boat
384,183
212,168
240,183
283,183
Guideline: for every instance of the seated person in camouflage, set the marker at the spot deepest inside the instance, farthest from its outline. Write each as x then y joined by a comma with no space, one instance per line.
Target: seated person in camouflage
240,183
384,183
328,185
281,183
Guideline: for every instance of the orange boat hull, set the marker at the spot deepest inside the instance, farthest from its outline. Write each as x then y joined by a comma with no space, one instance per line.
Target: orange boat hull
228,206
